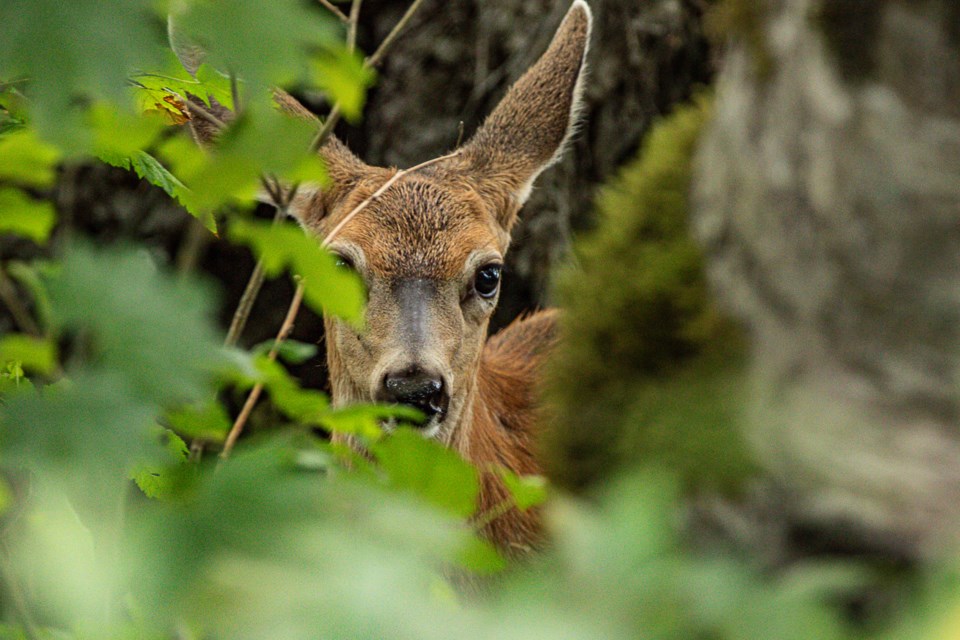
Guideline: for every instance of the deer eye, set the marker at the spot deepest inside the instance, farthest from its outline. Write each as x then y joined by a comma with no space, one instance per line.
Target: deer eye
487,280
343,262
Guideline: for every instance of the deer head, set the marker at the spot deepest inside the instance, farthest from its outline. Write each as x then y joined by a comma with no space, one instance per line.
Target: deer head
430,248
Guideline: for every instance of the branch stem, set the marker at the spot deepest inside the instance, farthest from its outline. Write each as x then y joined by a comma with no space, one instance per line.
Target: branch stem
377,56
332,8
248,406
8,293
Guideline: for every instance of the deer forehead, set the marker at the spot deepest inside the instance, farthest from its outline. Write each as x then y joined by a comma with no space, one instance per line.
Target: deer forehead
423,229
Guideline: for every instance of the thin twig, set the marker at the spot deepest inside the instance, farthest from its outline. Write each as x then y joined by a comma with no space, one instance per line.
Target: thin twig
370,62
376,194
8,293
332,119
334,10
235,93
377,56
199,109
354,23
282,335
249,296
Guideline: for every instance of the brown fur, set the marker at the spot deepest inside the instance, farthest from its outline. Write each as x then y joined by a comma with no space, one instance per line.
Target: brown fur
505,423
418,247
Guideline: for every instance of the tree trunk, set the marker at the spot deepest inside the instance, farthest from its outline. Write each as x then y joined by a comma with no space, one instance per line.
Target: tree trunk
829,205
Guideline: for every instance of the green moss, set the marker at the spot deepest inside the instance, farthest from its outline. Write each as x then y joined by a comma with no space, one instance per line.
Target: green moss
648,369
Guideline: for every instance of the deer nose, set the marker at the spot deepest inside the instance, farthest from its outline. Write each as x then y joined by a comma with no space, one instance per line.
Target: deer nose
417,388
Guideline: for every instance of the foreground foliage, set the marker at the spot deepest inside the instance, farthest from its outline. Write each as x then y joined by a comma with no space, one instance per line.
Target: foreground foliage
108,531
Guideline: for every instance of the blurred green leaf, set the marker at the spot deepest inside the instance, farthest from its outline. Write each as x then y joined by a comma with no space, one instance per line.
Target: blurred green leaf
526,491
291,351
25,159
428,470
344,77
266,44
262,141
23,216
35,354
67,52
285,555
328,289
204,420
154,329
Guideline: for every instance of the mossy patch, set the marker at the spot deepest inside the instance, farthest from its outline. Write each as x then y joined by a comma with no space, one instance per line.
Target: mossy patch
648,369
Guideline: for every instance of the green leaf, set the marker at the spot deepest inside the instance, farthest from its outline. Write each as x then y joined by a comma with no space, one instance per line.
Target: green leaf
153,90
67,52
344,77
119,133
327,288
24,216
527,491
365,419
150,169
25,159
28,276
159,480
153,328
35,354
427,469
291,351
205,420
267,44
303,405
262,141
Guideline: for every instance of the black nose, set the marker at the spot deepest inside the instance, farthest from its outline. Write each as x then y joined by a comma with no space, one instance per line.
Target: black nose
417,388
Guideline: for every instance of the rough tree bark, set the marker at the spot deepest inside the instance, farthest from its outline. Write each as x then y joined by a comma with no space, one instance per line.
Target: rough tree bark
829,204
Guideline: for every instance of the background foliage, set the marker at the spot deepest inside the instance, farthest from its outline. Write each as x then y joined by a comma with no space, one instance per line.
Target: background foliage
109,530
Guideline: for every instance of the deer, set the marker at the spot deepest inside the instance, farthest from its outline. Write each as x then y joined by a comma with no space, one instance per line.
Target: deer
430,249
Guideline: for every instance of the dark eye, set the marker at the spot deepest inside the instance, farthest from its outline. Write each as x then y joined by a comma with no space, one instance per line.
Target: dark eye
343,261
487,280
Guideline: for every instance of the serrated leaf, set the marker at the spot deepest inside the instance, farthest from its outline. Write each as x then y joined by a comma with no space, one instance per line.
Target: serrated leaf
427,469
327,288
24,216
34,354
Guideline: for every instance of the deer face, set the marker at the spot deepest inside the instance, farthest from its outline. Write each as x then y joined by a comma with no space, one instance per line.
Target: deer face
430,247
430,253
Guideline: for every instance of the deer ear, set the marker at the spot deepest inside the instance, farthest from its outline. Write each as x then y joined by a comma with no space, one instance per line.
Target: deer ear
312,202
527,131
